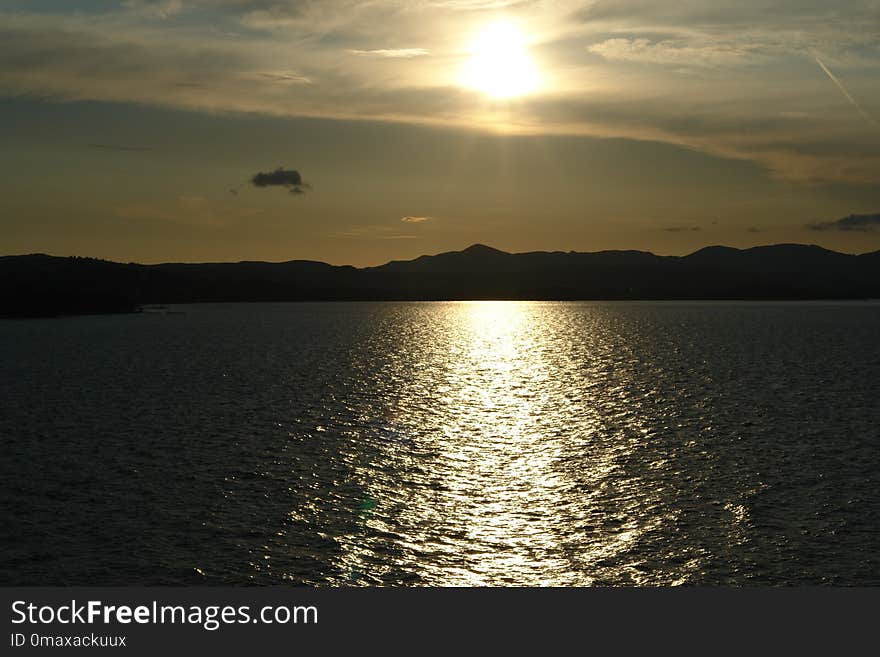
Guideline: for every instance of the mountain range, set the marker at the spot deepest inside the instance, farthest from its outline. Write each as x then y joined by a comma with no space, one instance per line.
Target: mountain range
43,285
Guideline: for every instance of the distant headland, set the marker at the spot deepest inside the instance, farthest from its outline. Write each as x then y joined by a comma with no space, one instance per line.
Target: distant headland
42,285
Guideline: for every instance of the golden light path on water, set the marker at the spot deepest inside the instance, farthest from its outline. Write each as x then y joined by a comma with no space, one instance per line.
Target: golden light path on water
461,443
512,451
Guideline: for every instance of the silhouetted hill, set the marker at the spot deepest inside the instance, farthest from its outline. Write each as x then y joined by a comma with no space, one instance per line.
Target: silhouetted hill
37,285
41,285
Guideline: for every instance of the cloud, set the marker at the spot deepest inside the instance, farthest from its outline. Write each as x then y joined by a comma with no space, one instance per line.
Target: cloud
395,53
287,77
476,5
682,229
384,231
854,222
120,147
670,52
845,92
414,220
164,9
281,177
796,14
186,210
733,80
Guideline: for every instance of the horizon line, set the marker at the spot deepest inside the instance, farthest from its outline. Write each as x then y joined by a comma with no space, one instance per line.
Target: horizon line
472,247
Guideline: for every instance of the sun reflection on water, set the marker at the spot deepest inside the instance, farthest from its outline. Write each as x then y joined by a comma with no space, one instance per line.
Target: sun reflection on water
452,443
492,468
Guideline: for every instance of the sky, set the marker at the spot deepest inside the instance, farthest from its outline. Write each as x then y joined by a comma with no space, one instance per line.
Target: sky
362,132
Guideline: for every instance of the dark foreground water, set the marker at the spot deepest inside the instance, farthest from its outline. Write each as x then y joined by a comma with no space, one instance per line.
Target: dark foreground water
485,443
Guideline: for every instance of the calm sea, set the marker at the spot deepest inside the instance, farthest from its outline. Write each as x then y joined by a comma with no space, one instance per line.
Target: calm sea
483,443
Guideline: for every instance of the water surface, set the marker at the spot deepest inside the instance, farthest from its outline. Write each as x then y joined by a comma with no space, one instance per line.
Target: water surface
483,443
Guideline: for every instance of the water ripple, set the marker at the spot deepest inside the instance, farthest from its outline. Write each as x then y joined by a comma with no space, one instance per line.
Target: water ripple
484,443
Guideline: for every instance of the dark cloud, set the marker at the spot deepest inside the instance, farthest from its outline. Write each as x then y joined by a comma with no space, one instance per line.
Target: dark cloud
281,177
682,229
854,222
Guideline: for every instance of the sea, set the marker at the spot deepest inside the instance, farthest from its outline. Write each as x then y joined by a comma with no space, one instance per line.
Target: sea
488,443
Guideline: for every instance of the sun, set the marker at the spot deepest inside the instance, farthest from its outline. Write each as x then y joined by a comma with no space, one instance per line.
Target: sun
500,65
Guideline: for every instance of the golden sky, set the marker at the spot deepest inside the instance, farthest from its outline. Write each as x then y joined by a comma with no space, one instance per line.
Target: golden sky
134,130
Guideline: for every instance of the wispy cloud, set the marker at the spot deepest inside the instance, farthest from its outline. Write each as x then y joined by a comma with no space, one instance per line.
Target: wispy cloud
392,53
120,147
854,222
162,8
613,68
373,232
476,5
186,210
669,52
846,94
286,77
682,229
414,220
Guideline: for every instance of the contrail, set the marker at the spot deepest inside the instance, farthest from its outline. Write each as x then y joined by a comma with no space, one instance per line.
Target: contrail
868,117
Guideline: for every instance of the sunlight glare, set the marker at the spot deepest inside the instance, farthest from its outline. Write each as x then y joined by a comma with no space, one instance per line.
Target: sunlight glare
500,65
